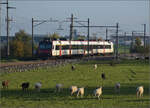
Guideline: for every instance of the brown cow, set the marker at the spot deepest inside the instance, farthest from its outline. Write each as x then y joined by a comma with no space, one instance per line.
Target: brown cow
5,84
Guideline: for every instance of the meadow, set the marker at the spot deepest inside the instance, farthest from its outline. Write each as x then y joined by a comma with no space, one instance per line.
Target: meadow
130,74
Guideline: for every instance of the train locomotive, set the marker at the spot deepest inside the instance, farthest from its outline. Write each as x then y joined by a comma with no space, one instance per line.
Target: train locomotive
57,48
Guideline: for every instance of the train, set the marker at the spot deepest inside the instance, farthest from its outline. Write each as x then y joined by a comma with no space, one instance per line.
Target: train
59,48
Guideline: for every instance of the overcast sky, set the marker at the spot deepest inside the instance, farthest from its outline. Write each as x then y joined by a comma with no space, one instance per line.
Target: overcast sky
130,15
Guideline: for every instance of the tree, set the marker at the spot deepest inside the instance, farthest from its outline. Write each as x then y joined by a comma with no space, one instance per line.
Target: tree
138,48
81,38
138,42
99,39
21,45
17,49
54,36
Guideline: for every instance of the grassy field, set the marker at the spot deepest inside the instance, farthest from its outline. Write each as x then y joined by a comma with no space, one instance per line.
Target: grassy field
130,74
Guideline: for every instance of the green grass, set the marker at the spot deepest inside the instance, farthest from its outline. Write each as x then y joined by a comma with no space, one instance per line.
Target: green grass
130,74
8,60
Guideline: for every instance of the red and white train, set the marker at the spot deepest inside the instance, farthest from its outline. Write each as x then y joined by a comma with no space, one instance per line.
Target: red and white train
69,48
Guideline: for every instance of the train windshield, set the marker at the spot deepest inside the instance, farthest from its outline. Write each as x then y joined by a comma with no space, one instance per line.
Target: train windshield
45,46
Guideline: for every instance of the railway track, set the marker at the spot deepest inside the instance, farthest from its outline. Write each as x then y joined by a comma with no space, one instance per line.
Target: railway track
29,65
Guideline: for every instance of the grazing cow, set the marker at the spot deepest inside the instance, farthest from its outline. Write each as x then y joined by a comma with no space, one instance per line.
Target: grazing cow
80,92
95,66
25,86
117,87
103,76
73,89
98,92
73,67
58,87
139,91
5,84
38,86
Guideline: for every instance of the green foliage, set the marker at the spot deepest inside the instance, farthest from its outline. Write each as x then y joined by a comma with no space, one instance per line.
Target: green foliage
17,48
138,48
21,45
54,36
130,74
138,42
81,38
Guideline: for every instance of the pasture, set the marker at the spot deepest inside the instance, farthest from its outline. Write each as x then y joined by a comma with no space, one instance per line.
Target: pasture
130,74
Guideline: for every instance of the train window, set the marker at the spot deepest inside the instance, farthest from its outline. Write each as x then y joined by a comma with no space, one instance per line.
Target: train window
100,47
57,47
65,47
45,46
94,47
108,46
48,46
74,46
80,46
42,46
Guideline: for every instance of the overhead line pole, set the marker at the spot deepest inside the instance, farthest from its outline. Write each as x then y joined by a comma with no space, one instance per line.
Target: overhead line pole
124,43
32,37
144,35
117,40
7,28
71,27
0,16
88,36
132,41
7,31
106,34
40,22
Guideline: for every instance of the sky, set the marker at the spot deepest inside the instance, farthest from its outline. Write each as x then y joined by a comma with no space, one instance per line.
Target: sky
129,14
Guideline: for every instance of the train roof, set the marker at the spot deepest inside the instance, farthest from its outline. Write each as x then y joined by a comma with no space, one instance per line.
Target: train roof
74,42
81,42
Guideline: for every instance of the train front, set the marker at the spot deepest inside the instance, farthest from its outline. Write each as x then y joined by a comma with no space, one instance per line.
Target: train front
45,48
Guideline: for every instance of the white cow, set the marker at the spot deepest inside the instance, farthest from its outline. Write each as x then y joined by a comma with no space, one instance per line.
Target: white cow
95,66
58,87
73,89
98,92
38,86
139,91
80,92
117,87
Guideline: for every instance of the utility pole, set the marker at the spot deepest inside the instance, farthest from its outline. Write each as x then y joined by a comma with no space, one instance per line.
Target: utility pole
124,43
0,25
106,34
71,27
144,35
32,38
88,35
117,40
0,17
7,28
7,19
132,40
